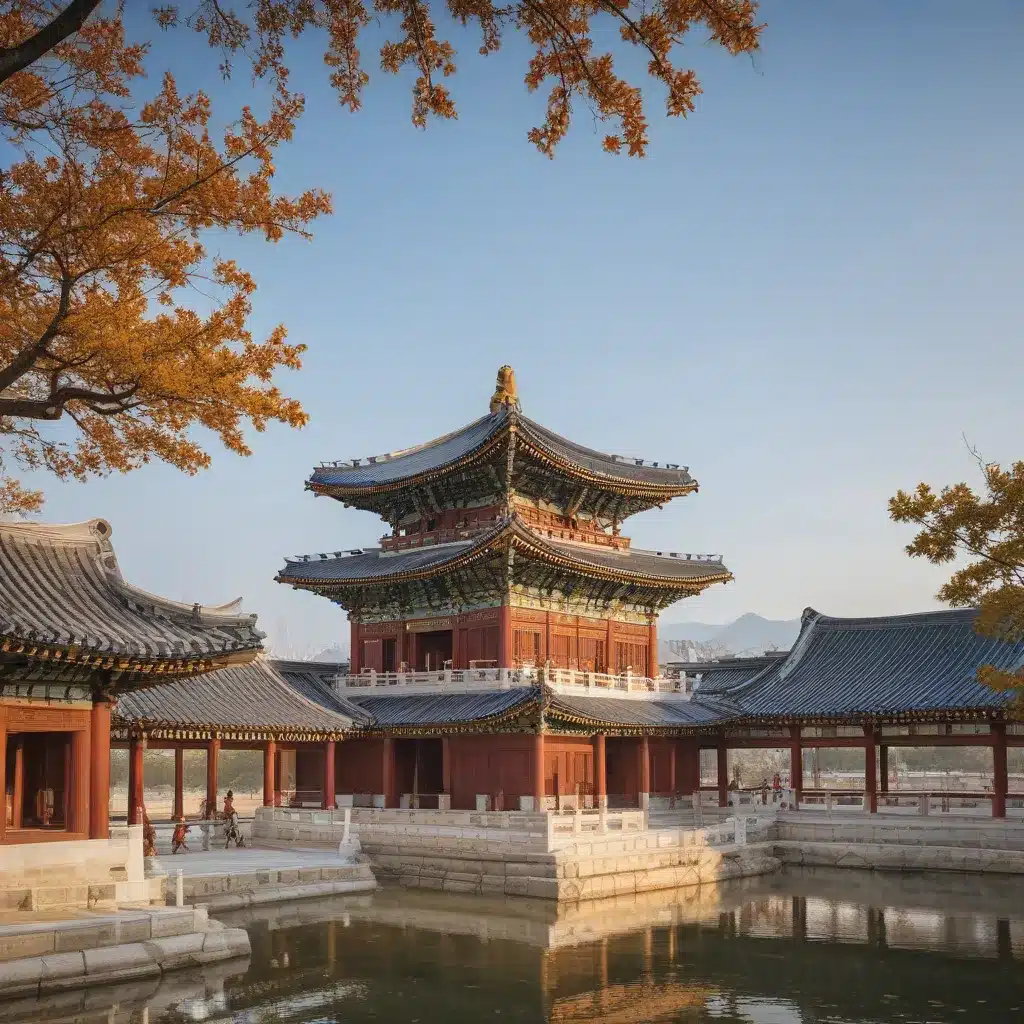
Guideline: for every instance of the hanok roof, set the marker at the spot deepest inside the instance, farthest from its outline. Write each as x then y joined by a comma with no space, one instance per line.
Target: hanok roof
372,565
526,456
441,709
258,700
618,711
725,673
906,665
64,602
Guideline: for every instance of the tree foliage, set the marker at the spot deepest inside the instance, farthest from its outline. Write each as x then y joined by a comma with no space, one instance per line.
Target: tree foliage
120,331
987,529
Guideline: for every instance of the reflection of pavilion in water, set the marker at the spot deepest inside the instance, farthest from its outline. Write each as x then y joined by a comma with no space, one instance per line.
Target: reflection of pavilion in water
668,955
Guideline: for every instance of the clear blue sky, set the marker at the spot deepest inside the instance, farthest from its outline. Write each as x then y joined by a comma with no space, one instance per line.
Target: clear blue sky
807,293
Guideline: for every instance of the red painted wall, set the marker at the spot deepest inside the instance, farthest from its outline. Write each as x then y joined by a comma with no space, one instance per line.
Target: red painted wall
359,766
623,760
489,764
568,766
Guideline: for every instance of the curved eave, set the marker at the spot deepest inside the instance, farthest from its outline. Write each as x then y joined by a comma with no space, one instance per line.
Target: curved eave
157,729
517,535
621,485
105,661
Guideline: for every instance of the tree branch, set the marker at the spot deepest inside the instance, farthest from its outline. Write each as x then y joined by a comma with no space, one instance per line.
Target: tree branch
24,360
16,58
52,407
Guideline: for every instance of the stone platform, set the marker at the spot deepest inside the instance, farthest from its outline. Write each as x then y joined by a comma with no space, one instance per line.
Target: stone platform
41,956
229,879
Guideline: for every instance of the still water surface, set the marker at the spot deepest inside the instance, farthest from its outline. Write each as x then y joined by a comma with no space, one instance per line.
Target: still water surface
796,948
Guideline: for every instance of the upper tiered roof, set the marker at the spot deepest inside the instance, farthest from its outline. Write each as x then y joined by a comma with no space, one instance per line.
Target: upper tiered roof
66,613
501,454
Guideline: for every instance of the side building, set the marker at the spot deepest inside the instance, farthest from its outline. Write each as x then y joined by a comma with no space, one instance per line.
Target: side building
73,637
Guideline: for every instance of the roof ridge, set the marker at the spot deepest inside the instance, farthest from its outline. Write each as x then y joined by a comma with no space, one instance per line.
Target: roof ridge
265,665
88,531
888,621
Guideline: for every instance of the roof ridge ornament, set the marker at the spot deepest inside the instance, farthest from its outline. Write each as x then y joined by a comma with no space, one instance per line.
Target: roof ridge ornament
505,394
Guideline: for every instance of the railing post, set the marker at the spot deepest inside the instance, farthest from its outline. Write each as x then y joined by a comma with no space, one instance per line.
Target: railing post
550,823
373,677
179,889
577,821
347,832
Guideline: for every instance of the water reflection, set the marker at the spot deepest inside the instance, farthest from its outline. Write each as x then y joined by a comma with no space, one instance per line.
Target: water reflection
812,947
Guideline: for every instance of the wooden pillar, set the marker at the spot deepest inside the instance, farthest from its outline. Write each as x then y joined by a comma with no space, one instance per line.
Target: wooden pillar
355,653
18,817
672,768
505,636
547,638
3,773
1000,776
387,775
446,765
610,656
723,773
883,768
269,774
400,648
136,780
870,771
645,772
212,751
652,650
78,802
796,764
99,768
179,782
600,771
538,772
329,793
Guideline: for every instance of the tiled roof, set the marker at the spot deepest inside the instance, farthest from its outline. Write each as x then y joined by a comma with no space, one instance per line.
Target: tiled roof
313,680
442,708
254,697
906,664
720,676
623,711
601,463
374,564
61,586
393,468
413,461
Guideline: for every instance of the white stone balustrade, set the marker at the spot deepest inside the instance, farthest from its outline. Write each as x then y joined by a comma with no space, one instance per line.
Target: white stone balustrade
562,680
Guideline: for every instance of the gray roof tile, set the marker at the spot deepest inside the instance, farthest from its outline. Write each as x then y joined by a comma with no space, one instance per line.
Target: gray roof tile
60,585
442,708
880,666
630,712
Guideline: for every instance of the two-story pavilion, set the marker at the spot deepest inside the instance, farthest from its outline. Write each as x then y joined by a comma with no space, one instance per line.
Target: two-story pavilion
73,637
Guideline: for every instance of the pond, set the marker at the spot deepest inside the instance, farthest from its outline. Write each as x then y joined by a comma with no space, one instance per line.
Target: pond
800,947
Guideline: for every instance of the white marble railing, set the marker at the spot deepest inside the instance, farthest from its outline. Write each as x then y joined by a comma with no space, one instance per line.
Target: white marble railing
561,680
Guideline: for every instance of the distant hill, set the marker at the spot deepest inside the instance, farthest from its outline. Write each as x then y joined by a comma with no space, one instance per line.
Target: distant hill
749,634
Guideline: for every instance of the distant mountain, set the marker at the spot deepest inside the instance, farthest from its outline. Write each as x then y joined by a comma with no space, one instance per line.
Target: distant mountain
750,634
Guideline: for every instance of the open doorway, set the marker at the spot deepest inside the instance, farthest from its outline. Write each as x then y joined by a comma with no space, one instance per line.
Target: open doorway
433,650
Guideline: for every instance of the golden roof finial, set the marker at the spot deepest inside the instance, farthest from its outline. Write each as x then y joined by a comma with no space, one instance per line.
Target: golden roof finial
505,393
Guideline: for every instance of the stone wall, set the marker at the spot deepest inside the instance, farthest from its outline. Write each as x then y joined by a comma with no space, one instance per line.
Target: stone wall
89,873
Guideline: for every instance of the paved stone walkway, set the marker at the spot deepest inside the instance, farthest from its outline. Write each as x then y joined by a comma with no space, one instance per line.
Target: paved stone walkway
246,861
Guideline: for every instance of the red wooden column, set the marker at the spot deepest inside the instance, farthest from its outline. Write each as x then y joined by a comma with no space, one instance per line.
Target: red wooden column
505,636
329,788
18,810
99,769
446,765
883,768
3,771
387,774
212,751
179,783
269,773
354,650
870,770
1000,777
136,780
80,780
600,771
538,772
672,770
610,656
723,773
645,772
652,650
796,764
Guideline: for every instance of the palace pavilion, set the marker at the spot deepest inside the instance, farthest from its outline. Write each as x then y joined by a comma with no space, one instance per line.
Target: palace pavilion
504,655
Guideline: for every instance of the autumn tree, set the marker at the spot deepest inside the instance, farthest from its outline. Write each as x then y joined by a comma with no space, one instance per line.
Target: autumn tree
120,331
986,529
